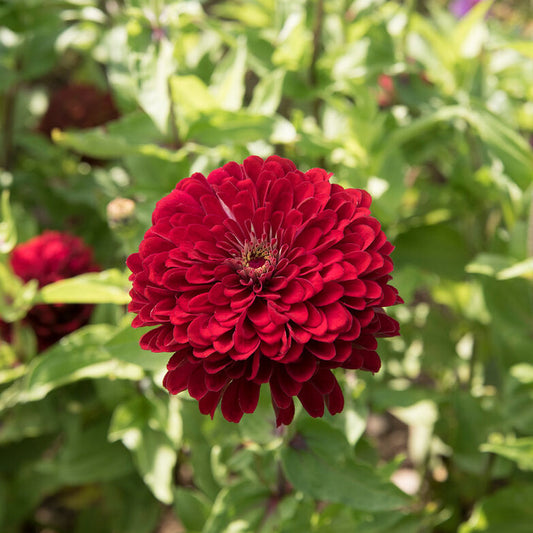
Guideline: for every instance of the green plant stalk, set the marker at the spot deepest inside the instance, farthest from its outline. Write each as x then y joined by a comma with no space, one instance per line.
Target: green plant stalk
529,245
317,40
8,126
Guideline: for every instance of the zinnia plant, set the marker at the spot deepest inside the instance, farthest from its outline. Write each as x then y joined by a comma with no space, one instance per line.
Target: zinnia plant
50,257
261,273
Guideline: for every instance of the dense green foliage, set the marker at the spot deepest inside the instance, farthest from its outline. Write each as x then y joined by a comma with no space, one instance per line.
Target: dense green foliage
431,114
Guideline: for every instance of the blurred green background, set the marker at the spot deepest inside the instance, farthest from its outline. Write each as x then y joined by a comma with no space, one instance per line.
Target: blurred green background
429,110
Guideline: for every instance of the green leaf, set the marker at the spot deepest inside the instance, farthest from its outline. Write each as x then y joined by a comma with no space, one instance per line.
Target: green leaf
467,30
93,142
508,510
10,374
488,264
438,248
154,453
8,231
29,421
420,418
124,346
78,356
522,269
506,144
294,42
109,286
238,509
191,95
191,507
421,126
125,137
523,47
509,304
227,82
519,450
87,457
16,297
224,127
151,69
267,93
318,461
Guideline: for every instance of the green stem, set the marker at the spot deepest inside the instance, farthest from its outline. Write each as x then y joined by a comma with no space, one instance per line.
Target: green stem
530,229
177,144
8,127
313,73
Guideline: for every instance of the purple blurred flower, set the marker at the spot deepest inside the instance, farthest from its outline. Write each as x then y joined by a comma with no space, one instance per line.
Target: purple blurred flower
461,7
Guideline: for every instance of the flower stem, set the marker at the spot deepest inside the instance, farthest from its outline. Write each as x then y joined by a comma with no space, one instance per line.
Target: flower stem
317,35
529,245
177,144
7,127
313,74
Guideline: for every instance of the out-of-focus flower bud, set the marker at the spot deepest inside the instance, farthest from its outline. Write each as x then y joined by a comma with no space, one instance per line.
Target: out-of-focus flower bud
121,214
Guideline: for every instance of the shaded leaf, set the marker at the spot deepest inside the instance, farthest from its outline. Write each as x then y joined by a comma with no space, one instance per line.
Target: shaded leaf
507,510
319,462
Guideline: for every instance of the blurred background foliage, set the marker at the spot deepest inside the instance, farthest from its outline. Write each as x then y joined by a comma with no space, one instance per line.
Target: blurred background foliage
106,104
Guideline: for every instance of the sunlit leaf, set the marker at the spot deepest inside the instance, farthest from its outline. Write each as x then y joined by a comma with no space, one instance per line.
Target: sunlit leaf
109,286
519,450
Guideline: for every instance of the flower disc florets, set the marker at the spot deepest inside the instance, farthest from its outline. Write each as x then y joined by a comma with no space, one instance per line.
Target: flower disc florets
263,274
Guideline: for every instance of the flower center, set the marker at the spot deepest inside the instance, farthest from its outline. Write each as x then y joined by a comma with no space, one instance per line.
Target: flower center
256,260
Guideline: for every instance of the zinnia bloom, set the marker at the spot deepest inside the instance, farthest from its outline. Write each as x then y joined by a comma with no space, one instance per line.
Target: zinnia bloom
78,106
49,257
263,274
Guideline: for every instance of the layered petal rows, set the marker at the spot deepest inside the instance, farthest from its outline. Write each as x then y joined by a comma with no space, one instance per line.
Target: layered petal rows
50,257
263,274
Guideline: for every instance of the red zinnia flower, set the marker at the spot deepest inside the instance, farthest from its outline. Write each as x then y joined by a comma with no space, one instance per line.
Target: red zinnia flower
263,274
51,257
78,106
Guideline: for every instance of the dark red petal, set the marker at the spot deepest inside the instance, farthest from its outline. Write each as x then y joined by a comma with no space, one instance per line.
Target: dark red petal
303,369
248,395
231,409
312,400
289,386
372,362
209,403
337,317
215,382
335,400
279,397
176,380
324,380
284,416
196,385
322,350
331,292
